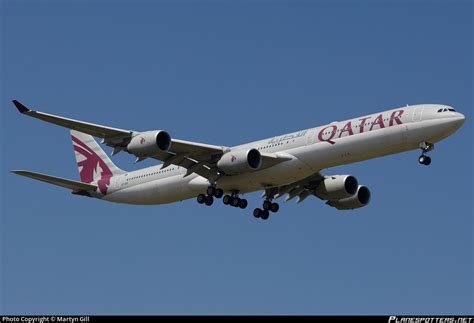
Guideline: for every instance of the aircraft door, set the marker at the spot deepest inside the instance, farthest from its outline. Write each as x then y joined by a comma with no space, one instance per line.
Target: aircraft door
116,181
310,137
417,113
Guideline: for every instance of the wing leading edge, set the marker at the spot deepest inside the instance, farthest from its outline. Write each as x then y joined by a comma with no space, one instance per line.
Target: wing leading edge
85,127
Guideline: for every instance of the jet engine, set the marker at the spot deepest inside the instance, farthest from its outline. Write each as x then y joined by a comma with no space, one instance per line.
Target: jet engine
337,187
240,161
360,199
147,144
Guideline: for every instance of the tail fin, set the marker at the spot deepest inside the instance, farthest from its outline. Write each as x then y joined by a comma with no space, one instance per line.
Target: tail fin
93,163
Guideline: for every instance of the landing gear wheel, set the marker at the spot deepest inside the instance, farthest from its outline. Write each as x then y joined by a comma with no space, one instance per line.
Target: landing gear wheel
265,214
209,200
425,147
235,202
424,160
201,198
211,190
218,193
227,199
257,213
267,205
275,207
243,203
421,159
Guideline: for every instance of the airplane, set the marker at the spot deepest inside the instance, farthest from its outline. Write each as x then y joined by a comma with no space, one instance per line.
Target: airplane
288,164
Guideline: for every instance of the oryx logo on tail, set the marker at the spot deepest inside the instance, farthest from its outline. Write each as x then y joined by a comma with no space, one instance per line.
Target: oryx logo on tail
92,169
95,167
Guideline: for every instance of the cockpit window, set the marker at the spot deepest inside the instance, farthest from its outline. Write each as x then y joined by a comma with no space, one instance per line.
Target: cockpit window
446,109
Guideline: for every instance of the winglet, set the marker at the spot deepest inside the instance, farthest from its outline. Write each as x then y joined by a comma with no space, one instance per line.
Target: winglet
20,107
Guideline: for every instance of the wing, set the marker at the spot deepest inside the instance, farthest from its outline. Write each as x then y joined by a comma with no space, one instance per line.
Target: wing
77,187
95,130
350,195
301,189
195,157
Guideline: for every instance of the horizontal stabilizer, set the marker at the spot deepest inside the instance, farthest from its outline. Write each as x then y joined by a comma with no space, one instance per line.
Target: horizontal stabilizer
67,183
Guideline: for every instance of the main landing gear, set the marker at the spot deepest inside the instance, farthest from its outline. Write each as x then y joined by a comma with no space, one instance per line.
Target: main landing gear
235,201
425,147
232,200
213,191
208,198
267,207
205,199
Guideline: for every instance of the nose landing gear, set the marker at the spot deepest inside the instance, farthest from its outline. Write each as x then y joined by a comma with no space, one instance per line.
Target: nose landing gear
425,148
424,160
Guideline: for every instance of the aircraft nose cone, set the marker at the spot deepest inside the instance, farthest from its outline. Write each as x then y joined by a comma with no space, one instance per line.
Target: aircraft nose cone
458,120
460,117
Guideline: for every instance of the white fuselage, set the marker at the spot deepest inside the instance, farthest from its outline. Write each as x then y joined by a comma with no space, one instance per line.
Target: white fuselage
310,150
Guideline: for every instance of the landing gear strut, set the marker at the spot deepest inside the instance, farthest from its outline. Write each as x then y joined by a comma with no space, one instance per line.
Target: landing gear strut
425,147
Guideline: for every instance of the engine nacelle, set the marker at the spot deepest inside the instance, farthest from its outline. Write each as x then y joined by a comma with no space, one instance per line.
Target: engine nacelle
337,187
240,161
147,144
360,199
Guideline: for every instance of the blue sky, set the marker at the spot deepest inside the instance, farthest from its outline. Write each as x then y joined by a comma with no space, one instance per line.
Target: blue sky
226,73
